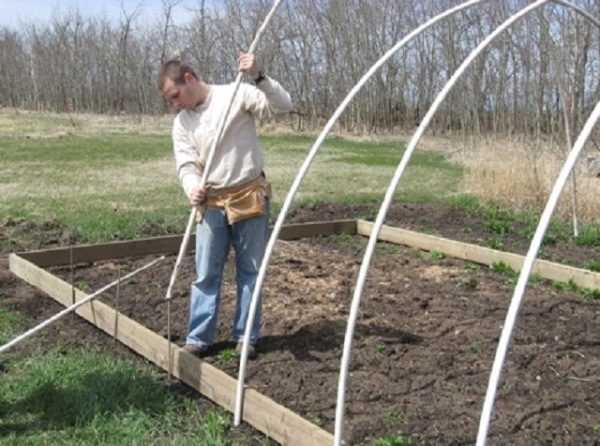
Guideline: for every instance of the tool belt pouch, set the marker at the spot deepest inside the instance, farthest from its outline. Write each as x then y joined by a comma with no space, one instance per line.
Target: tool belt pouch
240,202
245,204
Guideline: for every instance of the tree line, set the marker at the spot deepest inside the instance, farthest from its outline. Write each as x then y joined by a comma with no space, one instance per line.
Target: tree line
535,78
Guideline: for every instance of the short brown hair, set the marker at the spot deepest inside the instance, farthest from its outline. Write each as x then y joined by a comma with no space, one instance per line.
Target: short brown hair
175,70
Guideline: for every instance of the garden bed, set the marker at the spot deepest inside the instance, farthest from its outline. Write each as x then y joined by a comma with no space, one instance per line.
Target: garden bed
426,336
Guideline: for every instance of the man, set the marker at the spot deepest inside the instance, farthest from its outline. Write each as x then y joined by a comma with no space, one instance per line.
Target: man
233,207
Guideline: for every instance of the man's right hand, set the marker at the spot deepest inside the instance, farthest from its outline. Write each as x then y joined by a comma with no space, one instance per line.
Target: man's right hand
199,194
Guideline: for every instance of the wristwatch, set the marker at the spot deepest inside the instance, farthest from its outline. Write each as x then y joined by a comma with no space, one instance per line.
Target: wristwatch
260,78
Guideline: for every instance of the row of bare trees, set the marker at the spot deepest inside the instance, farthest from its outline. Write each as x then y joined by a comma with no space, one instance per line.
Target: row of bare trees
533,78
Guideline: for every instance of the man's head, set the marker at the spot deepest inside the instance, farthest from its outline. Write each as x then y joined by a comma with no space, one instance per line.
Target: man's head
180,86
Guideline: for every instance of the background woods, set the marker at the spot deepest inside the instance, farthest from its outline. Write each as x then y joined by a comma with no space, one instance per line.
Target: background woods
541,73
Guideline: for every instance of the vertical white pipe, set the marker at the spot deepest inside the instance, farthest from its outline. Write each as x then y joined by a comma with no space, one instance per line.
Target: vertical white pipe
211,154
526,271
591,18
296,184
516,300
386,203
76,305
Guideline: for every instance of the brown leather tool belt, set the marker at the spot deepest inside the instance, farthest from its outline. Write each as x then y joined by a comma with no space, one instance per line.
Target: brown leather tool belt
240,202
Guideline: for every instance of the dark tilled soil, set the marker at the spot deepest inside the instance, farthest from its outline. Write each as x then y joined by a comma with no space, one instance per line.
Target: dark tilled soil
423,348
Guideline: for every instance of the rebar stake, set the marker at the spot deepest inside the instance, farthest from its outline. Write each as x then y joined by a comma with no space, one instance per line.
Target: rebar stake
169,349
118,294
72,281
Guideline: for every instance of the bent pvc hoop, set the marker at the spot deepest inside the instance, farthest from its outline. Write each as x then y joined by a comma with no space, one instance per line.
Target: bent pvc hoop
296,184
211,154
517,298
301,174
386,203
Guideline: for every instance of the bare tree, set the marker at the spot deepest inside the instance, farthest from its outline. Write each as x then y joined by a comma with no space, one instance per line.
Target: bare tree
320,48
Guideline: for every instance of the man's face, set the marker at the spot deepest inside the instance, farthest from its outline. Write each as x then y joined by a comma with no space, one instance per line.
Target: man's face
180,95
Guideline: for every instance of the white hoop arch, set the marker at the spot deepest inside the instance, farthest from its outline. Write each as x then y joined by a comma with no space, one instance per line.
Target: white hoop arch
364,267
304,168
517,298
296,184
392,188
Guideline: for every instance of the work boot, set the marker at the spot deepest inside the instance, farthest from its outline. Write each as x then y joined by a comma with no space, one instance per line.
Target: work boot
251,350
196,350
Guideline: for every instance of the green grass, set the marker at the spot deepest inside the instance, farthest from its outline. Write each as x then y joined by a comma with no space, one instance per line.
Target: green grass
113,185
393,440
437,255
378,348
350,171
88,398
8,324
589,236
317,420
585,293
84,397
504,269
396,417
592,265
227,355
501,221
102,188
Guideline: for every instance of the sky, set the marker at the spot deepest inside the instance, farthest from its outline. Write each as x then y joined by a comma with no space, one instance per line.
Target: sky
13,13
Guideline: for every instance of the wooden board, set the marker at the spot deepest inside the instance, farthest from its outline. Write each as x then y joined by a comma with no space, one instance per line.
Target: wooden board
274,420
480,254
166,244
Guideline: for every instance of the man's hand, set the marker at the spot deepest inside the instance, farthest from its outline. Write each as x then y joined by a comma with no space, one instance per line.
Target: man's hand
199,194
248,65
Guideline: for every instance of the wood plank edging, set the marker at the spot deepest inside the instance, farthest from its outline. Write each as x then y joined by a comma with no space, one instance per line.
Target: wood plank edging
271,418
486,256
169,244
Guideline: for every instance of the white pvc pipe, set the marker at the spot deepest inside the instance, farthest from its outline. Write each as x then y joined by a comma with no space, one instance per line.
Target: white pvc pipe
296,184
75,306
211,154
590,17
526,271
388,200
184,242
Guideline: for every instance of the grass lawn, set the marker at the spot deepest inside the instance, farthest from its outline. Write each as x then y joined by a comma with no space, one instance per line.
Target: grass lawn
106,183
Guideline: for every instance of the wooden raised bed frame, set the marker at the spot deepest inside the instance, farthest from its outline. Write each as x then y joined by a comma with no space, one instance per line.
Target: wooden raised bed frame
269,417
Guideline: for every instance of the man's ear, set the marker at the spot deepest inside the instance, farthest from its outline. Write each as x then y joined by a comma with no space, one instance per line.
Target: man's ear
187,77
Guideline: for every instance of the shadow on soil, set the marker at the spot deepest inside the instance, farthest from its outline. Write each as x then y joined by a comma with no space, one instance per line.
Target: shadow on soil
326,336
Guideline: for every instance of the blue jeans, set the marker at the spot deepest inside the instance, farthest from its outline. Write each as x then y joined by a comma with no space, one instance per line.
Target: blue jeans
214,237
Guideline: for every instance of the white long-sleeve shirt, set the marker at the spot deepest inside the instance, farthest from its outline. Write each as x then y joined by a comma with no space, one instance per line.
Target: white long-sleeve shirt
238,158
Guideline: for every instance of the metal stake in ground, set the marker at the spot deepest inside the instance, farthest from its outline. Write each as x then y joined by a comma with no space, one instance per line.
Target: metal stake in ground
73,307
211,154
117,298
72,276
